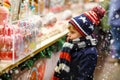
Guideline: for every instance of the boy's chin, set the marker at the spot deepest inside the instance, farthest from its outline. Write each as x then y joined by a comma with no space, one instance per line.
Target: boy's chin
69,40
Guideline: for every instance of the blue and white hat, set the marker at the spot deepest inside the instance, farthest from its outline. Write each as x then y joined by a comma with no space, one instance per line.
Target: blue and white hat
86,22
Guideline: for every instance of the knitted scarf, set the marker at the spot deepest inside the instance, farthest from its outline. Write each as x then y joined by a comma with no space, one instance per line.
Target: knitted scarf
63,65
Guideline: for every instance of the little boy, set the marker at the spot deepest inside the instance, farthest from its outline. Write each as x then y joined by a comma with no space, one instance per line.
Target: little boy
78,57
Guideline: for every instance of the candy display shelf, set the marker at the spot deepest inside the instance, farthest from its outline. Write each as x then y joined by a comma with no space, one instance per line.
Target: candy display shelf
6,66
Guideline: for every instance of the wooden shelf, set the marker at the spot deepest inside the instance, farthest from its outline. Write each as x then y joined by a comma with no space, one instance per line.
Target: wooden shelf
6,66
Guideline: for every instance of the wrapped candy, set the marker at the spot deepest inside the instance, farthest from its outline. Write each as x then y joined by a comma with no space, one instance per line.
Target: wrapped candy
50,19
1,42
2,30
67,14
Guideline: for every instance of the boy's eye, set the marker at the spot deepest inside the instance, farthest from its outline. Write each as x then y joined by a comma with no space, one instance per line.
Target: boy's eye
72,32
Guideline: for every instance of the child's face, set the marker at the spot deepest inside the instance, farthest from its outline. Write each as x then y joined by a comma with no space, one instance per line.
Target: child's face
73,33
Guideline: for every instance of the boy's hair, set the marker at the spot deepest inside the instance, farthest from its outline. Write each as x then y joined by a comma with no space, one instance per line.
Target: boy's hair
86,22
70,26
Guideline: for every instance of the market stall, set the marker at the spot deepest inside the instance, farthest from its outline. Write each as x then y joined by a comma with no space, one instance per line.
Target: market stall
30,33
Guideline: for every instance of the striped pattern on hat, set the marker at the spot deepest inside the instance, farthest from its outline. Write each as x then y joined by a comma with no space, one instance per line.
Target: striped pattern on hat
83,24
86,22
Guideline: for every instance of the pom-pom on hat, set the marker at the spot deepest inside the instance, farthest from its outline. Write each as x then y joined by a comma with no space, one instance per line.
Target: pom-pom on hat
86,22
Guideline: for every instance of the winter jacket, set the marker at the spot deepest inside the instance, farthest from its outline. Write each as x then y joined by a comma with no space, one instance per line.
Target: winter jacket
83,64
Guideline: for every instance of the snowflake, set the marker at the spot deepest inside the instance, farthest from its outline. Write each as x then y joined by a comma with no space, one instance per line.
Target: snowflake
109,37
105,38
117,38
114,9
117,16
116,64
88,44
92,49
118,29
16,71
113,56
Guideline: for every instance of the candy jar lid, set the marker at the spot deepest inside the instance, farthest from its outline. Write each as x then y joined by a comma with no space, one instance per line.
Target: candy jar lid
7,3
4,12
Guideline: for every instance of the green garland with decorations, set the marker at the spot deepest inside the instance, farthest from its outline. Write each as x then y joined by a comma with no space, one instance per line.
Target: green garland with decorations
28,64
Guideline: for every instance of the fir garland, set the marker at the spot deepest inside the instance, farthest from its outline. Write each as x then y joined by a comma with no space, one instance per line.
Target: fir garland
28,64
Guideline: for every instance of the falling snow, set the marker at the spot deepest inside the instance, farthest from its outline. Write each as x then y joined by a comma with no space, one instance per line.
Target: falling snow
118,29
117,16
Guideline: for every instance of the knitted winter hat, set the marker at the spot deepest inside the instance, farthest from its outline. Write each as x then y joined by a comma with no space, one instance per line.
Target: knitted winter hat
86,22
